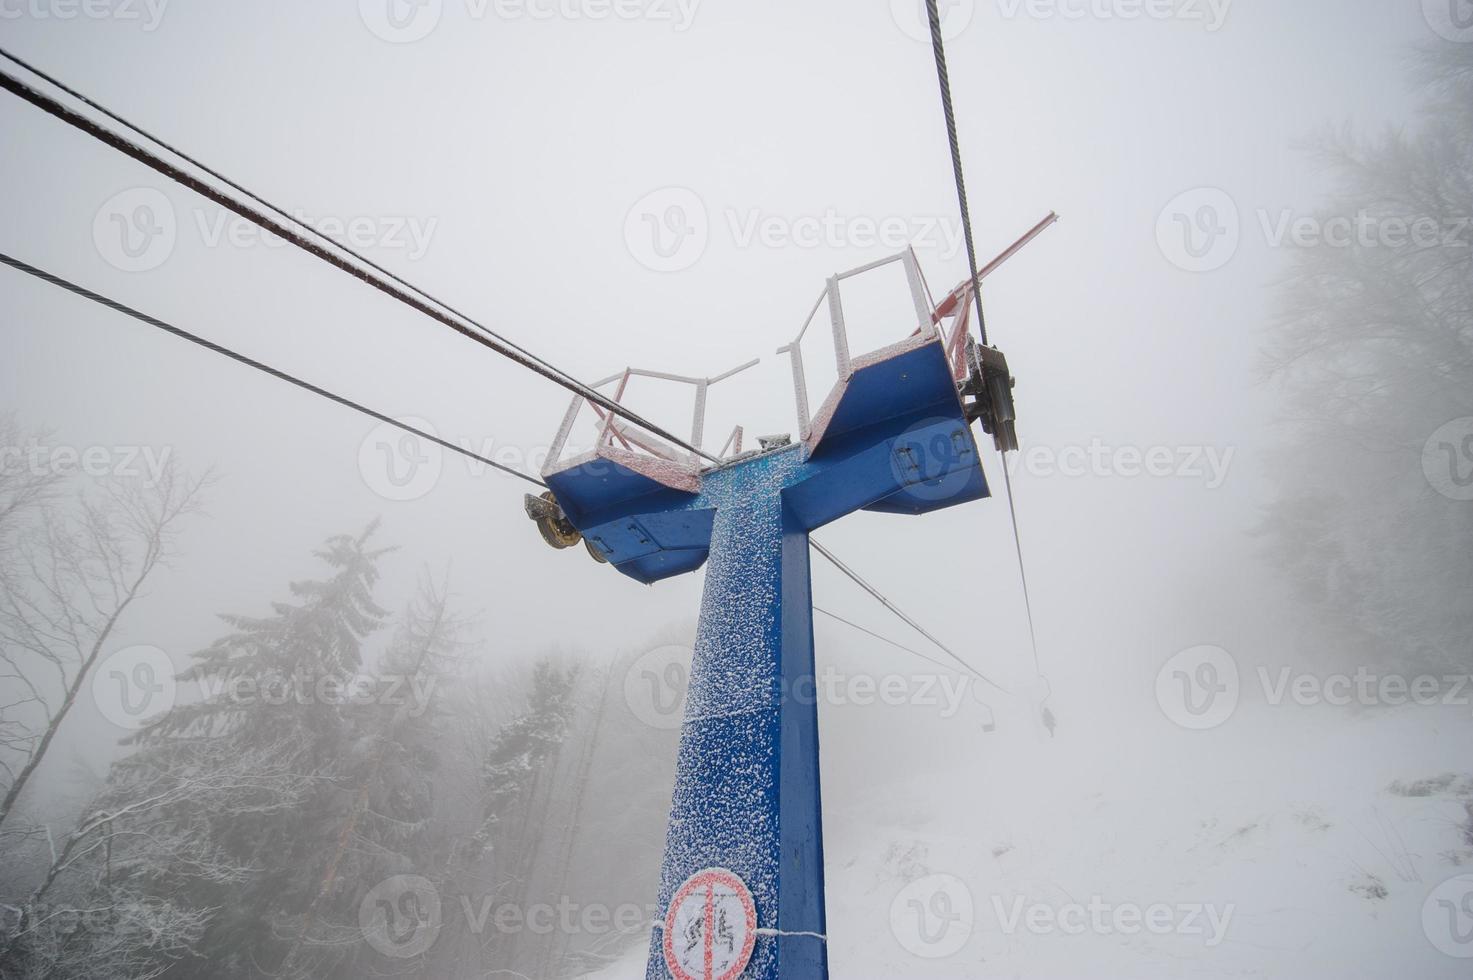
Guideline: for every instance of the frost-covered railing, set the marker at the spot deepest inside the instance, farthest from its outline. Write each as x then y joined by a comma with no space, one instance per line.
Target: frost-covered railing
833,298
957,306
616,432
953,317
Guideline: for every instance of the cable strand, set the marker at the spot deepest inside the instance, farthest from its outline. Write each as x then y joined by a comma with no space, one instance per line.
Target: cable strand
943,78
857,579
210,345
894,643
283,213
153,162
1007,480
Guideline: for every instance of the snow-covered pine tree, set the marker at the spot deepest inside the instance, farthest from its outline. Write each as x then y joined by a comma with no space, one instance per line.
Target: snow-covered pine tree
516,756
513,738
395,824
274,693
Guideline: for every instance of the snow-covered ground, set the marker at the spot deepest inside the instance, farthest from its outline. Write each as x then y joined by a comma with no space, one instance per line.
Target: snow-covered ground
1273,846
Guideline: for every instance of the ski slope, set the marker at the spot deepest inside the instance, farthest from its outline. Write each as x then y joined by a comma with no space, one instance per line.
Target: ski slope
1283,823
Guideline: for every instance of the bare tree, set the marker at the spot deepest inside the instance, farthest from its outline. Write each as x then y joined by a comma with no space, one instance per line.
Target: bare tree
24,486
141,939
102,909
70,579
1374,353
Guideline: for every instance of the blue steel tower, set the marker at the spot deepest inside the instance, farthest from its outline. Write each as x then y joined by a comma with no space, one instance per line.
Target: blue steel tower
742,888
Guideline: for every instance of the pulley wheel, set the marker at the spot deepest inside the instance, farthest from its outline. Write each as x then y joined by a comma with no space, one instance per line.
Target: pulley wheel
557,531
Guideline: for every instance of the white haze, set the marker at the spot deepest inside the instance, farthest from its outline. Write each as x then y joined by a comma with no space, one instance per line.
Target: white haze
526,143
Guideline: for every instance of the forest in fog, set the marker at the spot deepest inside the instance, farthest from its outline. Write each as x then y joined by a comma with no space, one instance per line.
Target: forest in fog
347,783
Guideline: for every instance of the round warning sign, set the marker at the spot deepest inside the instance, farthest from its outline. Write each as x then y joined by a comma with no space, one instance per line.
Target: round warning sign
711,927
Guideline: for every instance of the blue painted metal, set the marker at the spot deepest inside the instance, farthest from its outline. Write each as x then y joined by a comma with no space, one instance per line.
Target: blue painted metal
747,789
896,441
892,437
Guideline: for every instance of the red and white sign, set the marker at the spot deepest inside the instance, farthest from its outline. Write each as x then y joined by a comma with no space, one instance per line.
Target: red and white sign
711,927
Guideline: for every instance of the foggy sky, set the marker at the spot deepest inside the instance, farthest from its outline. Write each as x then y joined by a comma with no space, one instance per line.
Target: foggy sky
527,142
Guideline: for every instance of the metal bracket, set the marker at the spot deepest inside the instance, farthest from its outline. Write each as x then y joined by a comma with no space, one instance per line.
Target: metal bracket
989,384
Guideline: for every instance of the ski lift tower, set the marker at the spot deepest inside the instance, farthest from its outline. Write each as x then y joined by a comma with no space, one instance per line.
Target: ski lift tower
741,888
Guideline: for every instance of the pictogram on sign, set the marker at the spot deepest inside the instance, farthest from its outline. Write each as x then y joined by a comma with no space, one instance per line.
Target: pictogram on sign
711,927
